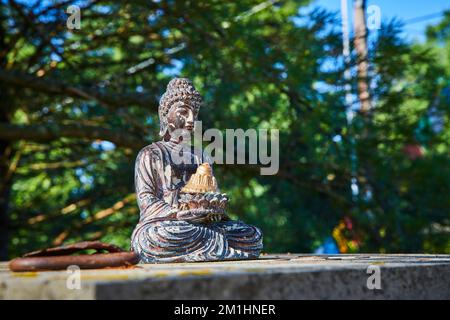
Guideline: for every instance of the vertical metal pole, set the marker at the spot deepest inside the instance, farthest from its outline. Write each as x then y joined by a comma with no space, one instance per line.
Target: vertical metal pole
346,54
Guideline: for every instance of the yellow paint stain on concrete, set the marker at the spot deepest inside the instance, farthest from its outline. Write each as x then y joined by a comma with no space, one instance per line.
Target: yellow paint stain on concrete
160,274
201,272
30,274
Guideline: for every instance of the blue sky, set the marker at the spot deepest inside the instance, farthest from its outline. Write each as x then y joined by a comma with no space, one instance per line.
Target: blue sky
401,9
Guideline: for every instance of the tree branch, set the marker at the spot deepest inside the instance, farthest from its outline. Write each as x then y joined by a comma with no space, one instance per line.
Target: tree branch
97,216
48,132
53,86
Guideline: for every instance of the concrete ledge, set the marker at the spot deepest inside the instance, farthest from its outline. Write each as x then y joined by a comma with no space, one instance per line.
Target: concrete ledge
292,276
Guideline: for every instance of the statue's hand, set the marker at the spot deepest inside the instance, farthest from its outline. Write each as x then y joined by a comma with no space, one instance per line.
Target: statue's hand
199,215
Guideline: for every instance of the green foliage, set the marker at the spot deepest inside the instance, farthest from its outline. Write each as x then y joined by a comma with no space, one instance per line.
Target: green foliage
275,68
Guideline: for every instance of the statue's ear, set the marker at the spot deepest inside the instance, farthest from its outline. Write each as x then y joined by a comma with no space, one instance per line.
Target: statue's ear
166,135
164,131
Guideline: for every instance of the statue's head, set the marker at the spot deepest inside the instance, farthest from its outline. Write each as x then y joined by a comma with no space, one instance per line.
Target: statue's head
178,107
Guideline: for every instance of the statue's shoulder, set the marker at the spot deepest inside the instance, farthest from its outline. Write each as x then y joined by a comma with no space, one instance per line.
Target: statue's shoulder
153,150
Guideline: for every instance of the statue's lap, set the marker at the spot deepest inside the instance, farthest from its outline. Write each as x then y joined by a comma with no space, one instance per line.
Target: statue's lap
182,241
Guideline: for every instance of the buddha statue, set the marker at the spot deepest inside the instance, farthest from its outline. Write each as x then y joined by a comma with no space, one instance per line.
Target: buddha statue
182,212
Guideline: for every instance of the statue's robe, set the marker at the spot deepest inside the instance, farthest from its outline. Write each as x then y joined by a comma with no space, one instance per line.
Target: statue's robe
160,236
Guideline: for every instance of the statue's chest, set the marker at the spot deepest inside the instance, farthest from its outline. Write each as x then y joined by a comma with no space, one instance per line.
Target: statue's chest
175,177
179,174
177,168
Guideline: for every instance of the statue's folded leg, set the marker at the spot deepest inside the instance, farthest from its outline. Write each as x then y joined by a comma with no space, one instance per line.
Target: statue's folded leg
241,236
181,241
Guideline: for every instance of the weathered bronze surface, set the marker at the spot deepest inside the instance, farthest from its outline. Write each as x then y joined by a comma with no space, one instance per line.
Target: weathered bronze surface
182,212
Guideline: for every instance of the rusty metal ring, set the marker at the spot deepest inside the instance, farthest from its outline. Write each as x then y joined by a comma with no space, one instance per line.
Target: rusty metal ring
60,258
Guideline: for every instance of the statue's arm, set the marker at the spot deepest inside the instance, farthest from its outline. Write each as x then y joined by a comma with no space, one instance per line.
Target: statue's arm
150,205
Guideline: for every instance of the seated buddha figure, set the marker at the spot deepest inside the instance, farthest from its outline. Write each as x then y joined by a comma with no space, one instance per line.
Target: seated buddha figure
182,212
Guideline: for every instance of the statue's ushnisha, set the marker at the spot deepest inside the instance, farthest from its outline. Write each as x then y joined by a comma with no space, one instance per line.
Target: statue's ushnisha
182,212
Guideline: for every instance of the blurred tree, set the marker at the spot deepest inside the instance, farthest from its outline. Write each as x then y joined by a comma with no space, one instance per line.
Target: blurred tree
77,105
407,207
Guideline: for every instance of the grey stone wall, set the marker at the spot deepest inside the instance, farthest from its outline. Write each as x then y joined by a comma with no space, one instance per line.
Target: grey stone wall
271,277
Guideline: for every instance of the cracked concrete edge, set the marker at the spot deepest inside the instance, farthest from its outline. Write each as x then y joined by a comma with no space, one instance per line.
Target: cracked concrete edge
415,282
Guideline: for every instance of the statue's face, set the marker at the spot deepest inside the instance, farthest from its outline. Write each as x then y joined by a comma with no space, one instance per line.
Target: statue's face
181,116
